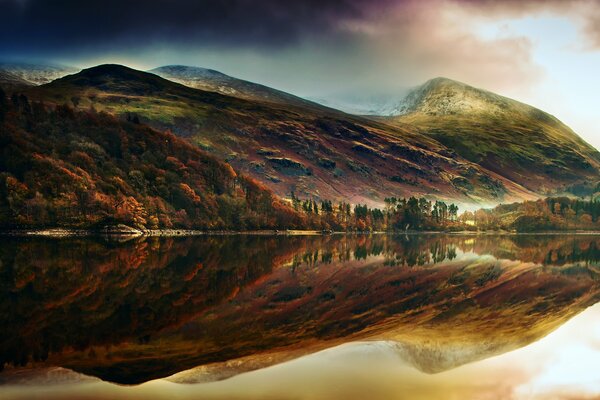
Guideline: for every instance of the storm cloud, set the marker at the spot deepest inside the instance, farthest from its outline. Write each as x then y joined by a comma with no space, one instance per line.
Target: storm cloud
73,25
70,25
316,48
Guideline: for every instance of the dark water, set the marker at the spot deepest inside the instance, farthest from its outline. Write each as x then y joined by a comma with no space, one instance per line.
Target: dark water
148,308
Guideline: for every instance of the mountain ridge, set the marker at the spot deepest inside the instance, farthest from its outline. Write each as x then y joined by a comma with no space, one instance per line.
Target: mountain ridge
36,73
321,152
215,81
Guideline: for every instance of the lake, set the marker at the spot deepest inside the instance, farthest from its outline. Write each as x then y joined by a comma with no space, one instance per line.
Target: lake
301,317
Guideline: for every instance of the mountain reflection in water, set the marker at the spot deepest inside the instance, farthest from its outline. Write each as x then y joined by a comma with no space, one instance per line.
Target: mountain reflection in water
149,308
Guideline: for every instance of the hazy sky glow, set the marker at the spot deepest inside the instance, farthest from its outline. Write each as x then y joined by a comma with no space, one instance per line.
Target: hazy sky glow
545,53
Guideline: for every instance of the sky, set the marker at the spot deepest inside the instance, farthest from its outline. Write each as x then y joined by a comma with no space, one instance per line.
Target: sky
544,53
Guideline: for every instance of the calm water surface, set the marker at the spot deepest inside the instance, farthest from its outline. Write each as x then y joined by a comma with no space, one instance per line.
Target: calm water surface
316,317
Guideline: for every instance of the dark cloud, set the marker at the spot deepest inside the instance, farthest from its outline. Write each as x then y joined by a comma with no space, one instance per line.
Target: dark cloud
305,46
66,27
46,26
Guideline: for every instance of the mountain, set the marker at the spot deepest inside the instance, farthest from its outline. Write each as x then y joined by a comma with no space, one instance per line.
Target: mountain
522,143
215,81
16,77
319,152
36,74
315,151
62,168
11,82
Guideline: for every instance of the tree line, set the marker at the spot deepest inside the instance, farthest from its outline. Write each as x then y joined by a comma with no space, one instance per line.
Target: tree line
399,214
84,169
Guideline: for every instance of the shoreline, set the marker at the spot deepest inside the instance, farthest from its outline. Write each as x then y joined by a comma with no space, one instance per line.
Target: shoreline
66,232
131,232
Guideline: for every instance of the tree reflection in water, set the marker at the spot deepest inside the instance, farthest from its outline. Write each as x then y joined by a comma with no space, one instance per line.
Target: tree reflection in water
130,312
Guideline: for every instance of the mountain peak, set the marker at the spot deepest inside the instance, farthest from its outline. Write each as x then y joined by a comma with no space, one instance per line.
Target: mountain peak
117,77
442,80
218,82
113,70
188,71
444,96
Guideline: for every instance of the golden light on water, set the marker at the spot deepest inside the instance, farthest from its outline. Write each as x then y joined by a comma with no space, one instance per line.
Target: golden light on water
563,365
381,317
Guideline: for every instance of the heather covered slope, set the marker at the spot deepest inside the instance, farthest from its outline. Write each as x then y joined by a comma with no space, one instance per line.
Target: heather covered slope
520,142
84,169
315,151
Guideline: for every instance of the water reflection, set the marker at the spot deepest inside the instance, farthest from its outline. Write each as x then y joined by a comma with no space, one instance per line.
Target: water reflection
135,311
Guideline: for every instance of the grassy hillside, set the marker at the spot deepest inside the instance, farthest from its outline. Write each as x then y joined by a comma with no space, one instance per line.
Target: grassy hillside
62,167
314,151
520,142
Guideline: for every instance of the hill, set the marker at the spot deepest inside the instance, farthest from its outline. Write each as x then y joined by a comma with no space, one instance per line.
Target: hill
11,82
520,142
453,143
315,151
61,167
15,77
36,74
215,81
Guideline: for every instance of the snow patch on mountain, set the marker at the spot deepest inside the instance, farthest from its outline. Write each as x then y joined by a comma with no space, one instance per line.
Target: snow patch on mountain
438,96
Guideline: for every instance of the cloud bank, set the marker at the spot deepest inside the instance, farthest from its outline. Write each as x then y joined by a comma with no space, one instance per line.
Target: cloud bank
309,47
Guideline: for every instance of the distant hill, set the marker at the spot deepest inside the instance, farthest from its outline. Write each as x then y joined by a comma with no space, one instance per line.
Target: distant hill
35,74
215,81
322,153
11,82
315,151
520,142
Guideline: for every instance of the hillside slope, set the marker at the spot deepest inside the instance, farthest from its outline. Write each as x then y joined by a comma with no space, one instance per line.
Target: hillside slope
215,81
84,169
326,154
36,74
314,151
11,82
524,144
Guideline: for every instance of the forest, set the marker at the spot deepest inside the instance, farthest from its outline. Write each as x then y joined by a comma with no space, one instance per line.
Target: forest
66,168
399,214
421,214
550,214
87,170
